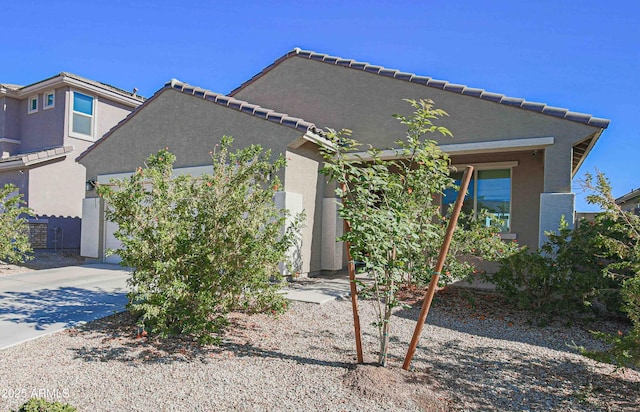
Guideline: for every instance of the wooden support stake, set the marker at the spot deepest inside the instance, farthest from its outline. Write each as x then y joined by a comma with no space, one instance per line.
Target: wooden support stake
439,265
354,290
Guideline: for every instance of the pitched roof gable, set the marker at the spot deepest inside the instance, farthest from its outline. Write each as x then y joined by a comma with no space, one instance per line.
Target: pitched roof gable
222,100
245,107
430,82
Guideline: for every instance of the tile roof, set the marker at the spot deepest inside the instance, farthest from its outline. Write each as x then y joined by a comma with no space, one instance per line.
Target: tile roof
438,84
10,86
38,156
245,107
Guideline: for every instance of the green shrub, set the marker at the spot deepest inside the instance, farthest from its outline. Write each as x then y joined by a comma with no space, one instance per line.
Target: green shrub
201,247
42,405
14,234
396,227
566,276
623,242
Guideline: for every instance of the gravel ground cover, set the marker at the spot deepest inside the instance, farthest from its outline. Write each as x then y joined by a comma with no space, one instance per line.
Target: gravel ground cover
476,353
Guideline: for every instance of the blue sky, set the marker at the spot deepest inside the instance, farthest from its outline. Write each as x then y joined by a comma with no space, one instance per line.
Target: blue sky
580,55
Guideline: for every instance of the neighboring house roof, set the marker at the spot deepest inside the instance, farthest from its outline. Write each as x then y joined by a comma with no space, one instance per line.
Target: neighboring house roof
627,197
21,160
308,128
438,84
9,86
114,93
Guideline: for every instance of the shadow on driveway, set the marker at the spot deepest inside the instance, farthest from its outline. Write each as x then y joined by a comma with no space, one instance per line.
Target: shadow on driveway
64,306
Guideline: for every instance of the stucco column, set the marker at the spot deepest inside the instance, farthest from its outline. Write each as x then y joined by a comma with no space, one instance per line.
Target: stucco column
332,250
299,260
557,200
553,206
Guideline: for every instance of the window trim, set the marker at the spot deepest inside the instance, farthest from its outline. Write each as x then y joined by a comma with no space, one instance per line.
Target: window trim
46,106
491,166
30,101
72,112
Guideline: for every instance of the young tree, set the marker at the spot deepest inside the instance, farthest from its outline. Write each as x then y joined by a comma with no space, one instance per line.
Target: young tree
200,247
14,234
393,210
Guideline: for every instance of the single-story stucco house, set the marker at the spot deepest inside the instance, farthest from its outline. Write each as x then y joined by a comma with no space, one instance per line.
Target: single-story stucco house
525,154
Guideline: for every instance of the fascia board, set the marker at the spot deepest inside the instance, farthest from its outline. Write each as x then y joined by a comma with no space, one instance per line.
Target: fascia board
494,146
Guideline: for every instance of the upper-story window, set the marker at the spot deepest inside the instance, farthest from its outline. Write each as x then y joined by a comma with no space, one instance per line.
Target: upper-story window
49,100
33,104
82,115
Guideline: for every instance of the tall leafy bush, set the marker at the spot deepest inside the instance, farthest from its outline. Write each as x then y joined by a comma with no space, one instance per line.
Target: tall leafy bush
202,246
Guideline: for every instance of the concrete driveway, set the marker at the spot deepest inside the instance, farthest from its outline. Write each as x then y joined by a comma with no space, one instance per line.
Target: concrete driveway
37,303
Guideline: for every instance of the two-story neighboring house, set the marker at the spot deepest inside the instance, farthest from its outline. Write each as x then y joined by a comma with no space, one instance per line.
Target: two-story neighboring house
630,202
44,126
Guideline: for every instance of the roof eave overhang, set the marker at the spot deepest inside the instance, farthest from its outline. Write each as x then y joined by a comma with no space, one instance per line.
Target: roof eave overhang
494,146
73,82
31,160
586,152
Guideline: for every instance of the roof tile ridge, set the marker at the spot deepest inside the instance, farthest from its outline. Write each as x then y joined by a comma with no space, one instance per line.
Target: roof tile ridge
244,106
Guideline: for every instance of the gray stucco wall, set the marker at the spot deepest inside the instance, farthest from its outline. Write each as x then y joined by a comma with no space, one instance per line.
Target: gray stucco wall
3,100
11,118
17,178
189,126
44,128
339,97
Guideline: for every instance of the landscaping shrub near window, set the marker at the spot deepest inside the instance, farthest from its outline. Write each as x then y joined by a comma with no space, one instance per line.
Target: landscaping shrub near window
595,266
202,246
566,276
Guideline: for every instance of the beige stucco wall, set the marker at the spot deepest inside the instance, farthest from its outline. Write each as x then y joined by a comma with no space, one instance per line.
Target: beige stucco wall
302,176
57,188
107,115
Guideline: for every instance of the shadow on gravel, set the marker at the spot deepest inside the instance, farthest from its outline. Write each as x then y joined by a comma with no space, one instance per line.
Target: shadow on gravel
486,314
65,305
117,338
493,380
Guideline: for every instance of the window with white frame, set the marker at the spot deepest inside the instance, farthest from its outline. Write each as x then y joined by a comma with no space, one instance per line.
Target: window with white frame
82,115
33,104
490,190
49,100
